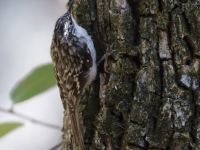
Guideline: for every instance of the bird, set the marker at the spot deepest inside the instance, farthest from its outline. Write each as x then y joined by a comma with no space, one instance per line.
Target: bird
74,60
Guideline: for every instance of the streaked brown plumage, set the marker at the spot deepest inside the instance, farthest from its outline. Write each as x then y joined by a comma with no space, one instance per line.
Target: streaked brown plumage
74,59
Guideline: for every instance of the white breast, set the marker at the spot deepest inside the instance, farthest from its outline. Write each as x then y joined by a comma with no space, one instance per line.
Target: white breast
82,34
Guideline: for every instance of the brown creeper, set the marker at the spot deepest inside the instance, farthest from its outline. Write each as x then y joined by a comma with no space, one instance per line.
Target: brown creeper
74,59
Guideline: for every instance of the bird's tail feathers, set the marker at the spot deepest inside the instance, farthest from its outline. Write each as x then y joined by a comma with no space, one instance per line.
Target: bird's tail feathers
77,137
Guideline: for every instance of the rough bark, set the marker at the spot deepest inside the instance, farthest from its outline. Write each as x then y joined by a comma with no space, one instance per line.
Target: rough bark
146,95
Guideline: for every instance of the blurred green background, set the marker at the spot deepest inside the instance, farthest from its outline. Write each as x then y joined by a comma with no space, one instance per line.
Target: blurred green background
26,29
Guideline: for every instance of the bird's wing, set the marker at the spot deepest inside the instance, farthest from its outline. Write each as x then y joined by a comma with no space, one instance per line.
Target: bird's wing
71,64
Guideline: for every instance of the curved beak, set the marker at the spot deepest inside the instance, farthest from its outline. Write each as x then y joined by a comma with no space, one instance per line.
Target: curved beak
70,6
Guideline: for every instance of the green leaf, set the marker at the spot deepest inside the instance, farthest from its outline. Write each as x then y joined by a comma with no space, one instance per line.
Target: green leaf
39,80
8,127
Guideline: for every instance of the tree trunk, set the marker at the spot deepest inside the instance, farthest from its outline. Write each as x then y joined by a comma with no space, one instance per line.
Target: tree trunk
146,94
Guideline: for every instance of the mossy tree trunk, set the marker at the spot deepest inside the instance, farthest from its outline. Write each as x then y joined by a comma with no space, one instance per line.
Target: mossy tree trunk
146,94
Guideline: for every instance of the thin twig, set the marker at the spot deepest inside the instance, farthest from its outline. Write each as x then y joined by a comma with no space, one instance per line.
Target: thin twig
10,111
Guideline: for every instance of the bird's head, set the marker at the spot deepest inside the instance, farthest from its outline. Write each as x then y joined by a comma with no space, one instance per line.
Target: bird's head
66,24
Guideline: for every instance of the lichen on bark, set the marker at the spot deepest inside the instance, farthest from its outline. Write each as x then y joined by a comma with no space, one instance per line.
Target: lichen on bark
149,96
